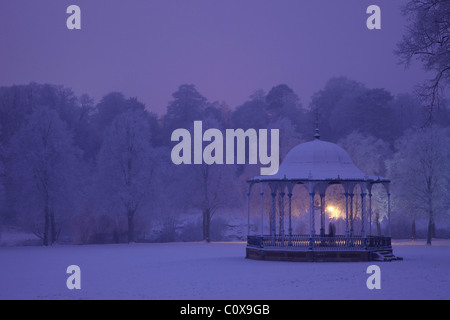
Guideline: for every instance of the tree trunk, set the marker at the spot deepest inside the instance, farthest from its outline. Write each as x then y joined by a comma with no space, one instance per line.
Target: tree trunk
130,216
430,229
46,227
206,224
413,229
433,230
52,228
430,221
115,236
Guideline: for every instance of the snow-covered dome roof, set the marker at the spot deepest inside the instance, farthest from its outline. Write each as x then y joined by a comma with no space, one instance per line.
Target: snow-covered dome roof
318,160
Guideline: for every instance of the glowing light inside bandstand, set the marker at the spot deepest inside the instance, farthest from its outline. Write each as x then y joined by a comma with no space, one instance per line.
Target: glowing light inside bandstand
333,212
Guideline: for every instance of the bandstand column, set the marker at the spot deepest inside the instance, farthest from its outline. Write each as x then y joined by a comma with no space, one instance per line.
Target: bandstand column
282,194
248,212
351,214
363,213
273,231
370,212
346,216
389,213
322,215
261,193
386,185
311,218
290,218
248,207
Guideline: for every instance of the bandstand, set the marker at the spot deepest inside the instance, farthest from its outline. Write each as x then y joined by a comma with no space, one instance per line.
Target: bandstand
316,165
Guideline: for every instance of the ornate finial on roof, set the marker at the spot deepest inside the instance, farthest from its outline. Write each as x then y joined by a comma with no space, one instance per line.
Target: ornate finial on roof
317,134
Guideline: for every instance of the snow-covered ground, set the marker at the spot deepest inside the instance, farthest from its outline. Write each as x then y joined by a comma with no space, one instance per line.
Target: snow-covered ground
215,271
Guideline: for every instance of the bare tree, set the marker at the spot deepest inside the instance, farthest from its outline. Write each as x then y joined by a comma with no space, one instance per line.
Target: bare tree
420,173
2,179
44,169
428,40
126,165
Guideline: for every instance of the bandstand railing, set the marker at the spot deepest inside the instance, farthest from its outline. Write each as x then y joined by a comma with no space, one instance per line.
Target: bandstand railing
317,242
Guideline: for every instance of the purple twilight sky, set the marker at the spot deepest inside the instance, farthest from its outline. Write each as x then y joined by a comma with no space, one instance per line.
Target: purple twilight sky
227,48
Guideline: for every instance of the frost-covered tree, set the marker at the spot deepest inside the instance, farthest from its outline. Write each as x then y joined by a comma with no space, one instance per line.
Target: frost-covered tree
367,152
282,102
346,105
187,106
407,113
110,106
215,189
251,114
44,169
209,187
288,136
420,173
2,176
18,102
125,165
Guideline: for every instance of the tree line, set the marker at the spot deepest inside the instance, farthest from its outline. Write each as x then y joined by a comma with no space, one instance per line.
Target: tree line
75,169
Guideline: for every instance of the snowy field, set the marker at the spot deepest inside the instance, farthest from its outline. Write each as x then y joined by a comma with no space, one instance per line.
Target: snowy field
215,271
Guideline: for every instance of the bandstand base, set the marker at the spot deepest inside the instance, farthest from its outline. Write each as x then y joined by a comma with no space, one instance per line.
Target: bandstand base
314,255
